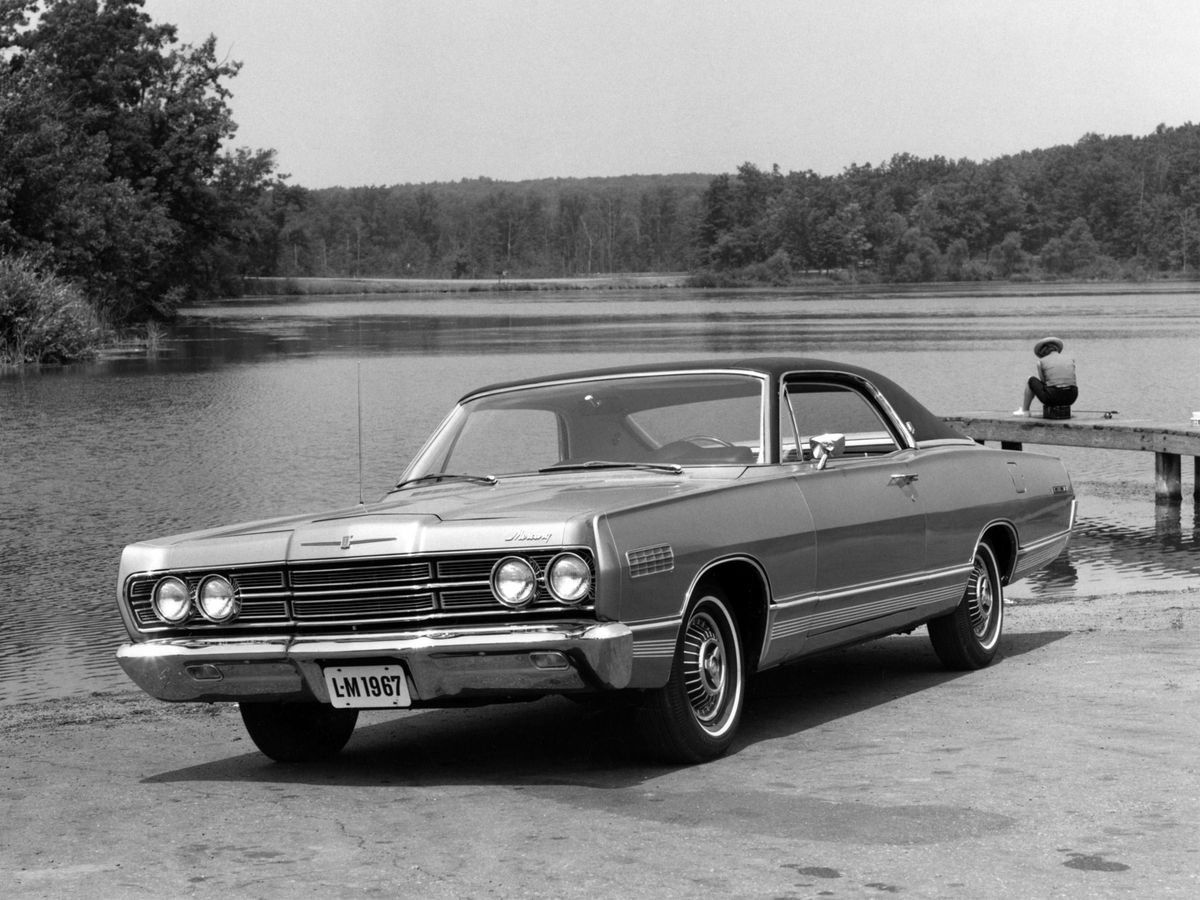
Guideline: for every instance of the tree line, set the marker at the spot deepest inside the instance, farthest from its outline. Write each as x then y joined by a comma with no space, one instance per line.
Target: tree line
1105,207
481,228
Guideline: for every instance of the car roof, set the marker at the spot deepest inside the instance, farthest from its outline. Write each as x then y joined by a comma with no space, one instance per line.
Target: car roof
926,425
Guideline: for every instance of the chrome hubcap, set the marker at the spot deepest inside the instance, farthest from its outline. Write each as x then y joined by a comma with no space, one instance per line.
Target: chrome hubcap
705,671
982,601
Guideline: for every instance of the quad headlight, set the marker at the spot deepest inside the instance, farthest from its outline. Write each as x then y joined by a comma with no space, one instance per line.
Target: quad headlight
569,578
217,600
172,601
514,582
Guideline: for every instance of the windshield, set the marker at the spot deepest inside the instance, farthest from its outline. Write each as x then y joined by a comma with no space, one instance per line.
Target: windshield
699,418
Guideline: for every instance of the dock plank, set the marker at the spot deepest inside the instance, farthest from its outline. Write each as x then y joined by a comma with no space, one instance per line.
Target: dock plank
1117,433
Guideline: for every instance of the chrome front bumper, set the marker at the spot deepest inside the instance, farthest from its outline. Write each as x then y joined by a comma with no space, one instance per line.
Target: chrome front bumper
441,664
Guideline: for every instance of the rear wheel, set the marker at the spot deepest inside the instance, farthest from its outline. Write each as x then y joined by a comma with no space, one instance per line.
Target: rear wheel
298,732
967,638
694,716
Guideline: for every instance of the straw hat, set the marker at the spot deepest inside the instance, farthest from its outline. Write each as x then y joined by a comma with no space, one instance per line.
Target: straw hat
1046,344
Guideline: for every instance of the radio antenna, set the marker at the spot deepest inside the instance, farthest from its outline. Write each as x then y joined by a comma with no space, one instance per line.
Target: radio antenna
360,441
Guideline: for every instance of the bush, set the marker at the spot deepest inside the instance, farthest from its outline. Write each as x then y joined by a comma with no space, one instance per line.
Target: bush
43,319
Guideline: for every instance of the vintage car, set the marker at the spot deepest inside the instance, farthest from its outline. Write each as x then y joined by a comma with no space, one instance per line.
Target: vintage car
653,534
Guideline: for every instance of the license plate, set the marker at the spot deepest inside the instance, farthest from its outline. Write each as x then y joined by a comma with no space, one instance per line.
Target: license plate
367,687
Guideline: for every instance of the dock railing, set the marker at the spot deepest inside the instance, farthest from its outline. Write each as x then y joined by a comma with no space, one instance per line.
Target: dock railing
1168,442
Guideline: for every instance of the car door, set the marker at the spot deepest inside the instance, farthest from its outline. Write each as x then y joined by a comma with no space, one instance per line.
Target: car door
865,504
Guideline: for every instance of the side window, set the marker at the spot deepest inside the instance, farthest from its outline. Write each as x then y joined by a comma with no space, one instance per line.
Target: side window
790,449
730,419
830,408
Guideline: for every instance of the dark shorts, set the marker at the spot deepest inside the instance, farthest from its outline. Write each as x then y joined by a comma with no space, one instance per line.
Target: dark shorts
1050,395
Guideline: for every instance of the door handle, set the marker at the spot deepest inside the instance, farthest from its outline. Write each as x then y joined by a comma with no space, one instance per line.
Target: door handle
902,480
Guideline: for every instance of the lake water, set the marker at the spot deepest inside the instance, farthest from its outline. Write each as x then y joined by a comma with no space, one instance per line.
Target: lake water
248,409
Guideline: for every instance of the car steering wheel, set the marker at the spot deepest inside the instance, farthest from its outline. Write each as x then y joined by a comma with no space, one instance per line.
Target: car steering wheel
701,439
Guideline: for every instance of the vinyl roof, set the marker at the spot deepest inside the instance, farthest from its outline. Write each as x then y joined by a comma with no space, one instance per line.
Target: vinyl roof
926,425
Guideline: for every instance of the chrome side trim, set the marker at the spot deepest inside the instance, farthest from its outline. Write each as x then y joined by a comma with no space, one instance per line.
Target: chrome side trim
655,640
863,612
802,614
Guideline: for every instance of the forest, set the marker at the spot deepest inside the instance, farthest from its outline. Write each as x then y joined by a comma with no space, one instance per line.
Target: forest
123,194
1105,207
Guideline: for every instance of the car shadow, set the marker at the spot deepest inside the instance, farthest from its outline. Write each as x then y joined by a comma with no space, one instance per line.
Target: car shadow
830,686
557,742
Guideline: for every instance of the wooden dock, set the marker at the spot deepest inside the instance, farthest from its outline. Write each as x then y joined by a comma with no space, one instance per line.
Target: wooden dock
1168,442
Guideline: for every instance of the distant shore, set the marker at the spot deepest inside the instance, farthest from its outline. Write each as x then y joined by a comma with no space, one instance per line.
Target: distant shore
281,287
258,287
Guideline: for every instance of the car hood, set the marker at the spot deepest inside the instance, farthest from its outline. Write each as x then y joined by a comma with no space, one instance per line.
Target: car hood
517,512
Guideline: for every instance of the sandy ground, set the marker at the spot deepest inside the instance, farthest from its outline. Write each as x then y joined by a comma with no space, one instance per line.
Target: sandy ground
1070,768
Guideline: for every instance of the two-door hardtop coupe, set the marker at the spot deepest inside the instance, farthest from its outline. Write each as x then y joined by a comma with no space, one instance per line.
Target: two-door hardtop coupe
654,534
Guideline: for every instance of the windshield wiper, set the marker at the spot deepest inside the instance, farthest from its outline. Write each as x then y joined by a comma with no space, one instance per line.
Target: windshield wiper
445,476
609,464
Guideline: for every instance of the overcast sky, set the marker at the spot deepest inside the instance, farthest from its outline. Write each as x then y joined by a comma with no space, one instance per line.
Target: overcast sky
358,92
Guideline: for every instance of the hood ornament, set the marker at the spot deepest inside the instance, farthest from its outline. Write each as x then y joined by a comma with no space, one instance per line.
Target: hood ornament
347,541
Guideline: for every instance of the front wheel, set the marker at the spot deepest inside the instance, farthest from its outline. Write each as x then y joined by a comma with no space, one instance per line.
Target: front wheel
967,638
694,716
298,732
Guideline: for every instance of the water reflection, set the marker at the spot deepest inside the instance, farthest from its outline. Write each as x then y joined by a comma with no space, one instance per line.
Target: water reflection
1106,557
248,410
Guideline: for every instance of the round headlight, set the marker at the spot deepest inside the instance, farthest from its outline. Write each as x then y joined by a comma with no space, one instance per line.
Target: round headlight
171,600
569,578
513,581
217,599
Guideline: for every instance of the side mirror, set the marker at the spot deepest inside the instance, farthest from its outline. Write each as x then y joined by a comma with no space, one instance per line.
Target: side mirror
825,447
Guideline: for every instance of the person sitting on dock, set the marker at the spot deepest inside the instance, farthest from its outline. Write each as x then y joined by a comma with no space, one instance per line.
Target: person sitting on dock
1054,385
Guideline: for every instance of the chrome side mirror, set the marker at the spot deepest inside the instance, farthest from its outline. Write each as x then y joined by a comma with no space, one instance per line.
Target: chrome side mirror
825,447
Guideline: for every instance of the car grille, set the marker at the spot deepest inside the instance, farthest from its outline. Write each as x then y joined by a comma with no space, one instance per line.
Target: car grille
357,594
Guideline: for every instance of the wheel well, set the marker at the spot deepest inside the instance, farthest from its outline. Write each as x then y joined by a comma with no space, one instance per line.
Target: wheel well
1003,542
746,588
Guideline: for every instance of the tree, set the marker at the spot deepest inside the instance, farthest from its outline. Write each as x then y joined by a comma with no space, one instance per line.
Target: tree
1007,258
144,206
58,202
1072,253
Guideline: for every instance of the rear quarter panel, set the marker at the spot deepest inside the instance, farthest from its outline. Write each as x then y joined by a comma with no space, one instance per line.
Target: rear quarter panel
965,489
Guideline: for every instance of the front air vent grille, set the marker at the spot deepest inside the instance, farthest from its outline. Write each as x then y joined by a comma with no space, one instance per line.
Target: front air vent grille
650,560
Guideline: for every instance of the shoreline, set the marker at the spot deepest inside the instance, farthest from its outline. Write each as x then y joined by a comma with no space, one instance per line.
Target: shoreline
258,287
282,286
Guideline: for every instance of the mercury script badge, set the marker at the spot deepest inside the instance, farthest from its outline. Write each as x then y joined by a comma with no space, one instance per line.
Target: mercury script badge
528,537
